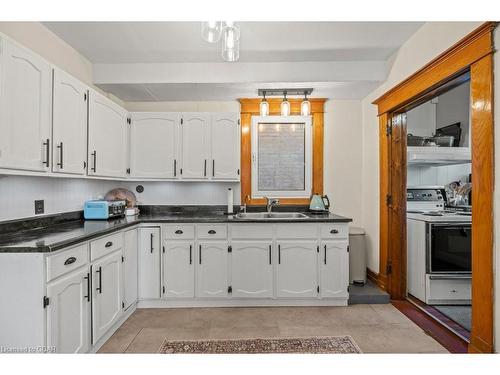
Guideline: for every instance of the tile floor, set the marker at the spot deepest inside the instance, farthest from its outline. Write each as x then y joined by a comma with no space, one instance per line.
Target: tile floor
375,328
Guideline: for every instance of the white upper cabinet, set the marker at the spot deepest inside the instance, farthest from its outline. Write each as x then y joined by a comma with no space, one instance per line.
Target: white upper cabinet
252,269
69,126
153,145
68,313
25,109
108,129
334,269
195,145
297,274
225,140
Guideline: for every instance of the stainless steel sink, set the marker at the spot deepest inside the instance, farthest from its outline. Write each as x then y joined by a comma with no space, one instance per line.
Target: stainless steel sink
271,216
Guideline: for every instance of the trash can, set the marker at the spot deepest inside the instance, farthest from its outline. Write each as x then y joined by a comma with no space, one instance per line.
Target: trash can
357,256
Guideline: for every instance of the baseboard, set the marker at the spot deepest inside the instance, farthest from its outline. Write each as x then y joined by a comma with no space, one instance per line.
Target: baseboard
377,278
166,303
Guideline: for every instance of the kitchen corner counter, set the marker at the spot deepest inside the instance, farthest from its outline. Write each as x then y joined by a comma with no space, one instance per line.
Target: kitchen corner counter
41,235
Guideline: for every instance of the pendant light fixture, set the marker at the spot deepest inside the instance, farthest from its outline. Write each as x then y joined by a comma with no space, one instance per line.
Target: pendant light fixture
230,42
305,106
285,106
211,31
264,106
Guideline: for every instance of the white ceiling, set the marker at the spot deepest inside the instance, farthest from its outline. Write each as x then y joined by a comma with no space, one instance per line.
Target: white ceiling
357,48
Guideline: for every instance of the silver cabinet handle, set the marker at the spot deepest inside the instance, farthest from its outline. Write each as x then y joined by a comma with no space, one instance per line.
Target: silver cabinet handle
47,152
60,164
69,261
94,155
152,246
190,254
99,288
324,259
270,249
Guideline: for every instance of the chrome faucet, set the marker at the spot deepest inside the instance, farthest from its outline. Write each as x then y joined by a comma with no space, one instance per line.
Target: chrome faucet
270,202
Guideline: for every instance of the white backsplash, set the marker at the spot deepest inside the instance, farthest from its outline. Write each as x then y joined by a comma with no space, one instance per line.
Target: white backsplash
18,193
418,176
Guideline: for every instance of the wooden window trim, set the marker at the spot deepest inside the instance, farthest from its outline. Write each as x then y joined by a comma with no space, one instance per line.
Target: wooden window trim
250,107
473,53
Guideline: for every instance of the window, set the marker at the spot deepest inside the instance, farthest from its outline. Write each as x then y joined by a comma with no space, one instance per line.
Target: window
281,156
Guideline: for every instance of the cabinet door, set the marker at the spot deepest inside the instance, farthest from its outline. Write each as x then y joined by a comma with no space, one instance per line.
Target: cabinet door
225,146
252,269
212,275
195,145
297,274
178,269
153,145
107,151
25,112
149,263
68,313
334,269
106,294
130,269
69,127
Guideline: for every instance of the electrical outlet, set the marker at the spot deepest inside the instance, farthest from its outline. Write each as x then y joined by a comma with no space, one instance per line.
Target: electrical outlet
39,209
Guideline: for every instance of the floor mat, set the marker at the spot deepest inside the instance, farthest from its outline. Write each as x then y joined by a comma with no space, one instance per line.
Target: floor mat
460,314
326,345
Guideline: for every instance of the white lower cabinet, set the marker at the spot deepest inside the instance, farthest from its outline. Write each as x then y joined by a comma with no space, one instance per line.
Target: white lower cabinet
106,294
149,263
68,313
297,270
212,272
178,269
130,276
252,269
334,269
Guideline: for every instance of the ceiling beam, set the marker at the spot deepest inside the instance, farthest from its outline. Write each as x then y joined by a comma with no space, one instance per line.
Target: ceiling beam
326,71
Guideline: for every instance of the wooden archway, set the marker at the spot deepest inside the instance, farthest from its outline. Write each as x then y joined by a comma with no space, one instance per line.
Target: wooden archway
473,54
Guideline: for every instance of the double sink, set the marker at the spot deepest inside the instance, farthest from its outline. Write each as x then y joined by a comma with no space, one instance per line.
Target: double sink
271,216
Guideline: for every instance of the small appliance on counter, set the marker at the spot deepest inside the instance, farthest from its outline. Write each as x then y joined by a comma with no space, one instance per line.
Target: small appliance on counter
103,210
319,204
124,195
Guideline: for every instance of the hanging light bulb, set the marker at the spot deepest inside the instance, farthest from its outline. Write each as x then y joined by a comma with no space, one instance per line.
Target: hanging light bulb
264,106
211,31
230,42
305,106
285,106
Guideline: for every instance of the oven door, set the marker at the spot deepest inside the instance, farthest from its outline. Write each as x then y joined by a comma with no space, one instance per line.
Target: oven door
449,248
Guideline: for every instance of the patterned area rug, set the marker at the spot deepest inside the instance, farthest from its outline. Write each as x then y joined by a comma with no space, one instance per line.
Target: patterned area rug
330,345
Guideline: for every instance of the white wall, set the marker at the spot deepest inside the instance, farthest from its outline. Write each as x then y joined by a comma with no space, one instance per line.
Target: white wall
343,152
428,42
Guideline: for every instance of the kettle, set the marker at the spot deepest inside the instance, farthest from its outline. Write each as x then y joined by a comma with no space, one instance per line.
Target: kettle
319,203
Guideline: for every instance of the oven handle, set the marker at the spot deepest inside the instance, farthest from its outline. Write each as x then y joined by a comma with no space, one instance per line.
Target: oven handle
450,277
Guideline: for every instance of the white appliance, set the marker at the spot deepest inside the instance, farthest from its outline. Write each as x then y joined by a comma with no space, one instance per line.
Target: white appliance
439,248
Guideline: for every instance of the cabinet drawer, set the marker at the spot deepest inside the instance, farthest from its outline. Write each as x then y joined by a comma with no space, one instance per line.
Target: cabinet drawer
208,232
251,231
299,230
179,232
105,245
66,261
335,231
448,290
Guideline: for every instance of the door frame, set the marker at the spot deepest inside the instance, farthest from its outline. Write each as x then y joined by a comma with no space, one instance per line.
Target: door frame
474,54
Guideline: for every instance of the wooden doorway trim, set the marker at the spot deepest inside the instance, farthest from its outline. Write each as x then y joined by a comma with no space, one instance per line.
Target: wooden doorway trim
473,54
251,107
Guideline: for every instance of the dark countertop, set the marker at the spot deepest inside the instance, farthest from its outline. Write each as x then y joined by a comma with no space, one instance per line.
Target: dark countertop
23,236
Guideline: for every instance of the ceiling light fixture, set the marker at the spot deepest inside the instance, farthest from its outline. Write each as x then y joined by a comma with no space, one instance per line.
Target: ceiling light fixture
305,106
230,42
211,31
264,106
285,106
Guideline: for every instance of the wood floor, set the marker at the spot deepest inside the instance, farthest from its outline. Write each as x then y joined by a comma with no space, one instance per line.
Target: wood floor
375,328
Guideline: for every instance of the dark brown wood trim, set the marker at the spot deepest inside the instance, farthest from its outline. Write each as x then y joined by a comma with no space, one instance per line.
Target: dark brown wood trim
372,276
251,107
473,54
450,63
440,333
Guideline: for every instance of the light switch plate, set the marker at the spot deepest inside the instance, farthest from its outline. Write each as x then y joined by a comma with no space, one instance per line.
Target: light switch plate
39,207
